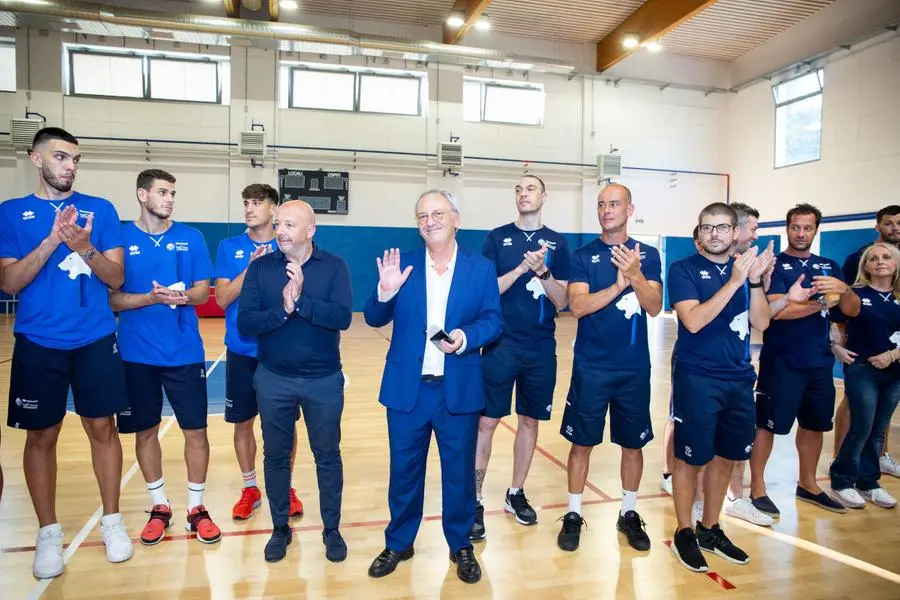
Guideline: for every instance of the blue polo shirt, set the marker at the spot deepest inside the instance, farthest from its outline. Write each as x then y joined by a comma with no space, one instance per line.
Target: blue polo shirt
66,306
801,343
159,334
306,342
720,350
529,317
850,269
614,337
232,258
876,328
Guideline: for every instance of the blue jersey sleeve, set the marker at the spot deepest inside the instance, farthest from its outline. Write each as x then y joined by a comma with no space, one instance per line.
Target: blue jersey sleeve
201,266
680,285
779,285
561,263
652,268
109,229
489,251
9,247
579,270
223,268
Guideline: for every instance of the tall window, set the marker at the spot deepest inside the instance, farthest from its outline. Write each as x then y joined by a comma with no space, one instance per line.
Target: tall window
502,102
7,65
99,71
798,119
353,90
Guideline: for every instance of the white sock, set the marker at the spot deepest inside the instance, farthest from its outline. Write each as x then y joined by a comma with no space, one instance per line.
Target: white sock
195,495
514,491
629,501
575,503
249,478
157,491
113,519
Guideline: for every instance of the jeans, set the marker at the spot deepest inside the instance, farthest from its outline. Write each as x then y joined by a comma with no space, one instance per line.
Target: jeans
321,400
872,395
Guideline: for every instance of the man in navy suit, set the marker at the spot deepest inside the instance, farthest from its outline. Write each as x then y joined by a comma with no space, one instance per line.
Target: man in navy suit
432,379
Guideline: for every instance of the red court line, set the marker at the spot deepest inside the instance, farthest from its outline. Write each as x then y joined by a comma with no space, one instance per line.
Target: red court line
560,464
711,574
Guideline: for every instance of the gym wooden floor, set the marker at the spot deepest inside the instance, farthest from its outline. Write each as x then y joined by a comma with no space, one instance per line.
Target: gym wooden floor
809,553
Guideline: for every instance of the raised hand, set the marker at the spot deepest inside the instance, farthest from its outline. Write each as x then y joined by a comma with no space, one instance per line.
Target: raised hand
295,274
742,265
621,282
264,249
763,263
63,217
798,293
390,278
627,261
76,237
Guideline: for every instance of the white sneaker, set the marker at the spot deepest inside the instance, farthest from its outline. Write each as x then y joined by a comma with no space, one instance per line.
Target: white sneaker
118,545
48,552
888,465
879,497
665,483
742,508
697,512
849,497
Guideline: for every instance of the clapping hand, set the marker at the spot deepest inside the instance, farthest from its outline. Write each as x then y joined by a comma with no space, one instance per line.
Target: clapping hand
798,293
160,294
390,278
264,249
742,266
74,236
534,260
291,291
63,218
627,261
762,263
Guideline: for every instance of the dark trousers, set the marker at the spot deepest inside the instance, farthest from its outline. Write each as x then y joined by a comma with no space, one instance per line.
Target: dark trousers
410,438
872,395
321,401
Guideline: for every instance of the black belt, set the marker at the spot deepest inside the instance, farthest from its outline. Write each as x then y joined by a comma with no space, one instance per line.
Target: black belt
433,378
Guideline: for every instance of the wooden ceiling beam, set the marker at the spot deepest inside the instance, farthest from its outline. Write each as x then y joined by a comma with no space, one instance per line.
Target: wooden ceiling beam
652,20
471,9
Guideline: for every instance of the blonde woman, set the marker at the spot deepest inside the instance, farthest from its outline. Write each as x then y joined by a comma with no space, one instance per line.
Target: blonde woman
872,380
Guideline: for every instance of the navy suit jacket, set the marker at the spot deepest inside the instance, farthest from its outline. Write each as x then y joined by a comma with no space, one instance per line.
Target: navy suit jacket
472,306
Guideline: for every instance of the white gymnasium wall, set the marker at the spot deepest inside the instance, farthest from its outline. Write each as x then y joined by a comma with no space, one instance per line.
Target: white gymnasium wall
666,130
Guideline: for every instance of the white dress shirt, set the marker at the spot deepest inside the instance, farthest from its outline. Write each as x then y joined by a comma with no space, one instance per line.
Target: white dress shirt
437,292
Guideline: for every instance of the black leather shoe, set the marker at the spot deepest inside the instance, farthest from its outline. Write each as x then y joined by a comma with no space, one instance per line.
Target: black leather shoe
276,548
387,561
467,568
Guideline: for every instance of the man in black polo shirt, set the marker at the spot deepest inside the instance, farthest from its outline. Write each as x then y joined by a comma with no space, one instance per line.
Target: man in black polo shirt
296,301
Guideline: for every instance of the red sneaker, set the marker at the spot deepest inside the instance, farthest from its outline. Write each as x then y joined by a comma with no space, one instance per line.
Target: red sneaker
155,529
199,522
251,498
296,506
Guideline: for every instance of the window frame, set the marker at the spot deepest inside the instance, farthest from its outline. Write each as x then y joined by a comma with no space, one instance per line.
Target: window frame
12,44
146,59
418,78
484,84
305,69
819,75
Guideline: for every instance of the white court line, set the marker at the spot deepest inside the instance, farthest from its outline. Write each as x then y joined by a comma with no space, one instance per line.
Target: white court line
817,549
79,538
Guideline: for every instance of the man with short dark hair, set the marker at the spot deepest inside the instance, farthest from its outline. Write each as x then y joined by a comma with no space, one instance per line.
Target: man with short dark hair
167,271
60,253
233,258
795,364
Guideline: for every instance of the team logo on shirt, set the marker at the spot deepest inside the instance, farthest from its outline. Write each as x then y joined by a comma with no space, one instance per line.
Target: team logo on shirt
705,275
84,214
74,265
595,259
27,215
551,245
866,302
787,267
895,338
239,254
170,246
822,266
134,250
629,305
534,286
741,325
507,241
182,247
26,404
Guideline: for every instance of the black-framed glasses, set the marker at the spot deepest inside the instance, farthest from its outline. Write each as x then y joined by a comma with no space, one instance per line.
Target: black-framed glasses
721,228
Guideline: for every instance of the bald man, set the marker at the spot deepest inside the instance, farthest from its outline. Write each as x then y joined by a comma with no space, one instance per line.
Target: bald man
298,324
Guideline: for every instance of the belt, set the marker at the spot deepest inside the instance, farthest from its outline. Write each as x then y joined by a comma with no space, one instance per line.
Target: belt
433,378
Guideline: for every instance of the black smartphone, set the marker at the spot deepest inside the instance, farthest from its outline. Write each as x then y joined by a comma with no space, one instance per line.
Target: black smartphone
441,335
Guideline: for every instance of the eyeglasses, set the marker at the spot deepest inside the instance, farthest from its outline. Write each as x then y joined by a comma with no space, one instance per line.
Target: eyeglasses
721,228
436,216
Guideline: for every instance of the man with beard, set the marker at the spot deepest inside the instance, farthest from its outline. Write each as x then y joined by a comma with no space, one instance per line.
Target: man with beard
233,258
532,263
60,253
795,364
167,271
615,284
887,224
717,298
295,301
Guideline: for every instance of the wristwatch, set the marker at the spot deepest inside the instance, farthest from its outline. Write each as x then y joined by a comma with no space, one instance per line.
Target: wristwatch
89,254
545,276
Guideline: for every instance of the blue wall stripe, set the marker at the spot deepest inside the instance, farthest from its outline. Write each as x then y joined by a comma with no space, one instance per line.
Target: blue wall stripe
869,216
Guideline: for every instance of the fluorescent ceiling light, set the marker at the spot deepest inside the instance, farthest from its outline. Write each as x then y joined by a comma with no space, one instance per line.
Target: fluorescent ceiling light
483,23
455,20
630,41
654,46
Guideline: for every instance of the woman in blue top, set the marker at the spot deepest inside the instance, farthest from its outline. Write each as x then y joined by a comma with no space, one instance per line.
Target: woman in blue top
872,380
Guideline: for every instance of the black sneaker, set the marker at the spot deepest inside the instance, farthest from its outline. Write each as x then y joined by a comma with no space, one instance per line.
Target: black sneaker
714,540
632,525
517,504
477,532
685,547
570,534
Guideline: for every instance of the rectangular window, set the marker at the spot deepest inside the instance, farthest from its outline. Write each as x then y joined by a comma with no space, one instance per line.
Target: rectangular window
101,72
798,119
7,66
353,90
501,102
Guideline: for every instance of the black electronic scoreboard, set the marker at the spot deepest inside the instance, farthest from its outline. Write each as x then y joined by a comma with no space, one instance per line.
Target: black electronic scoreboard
327,192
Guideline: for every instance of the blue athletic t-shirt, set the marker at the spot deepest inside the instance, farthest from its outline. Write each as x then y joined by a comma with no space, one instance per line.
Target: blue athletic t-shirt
528,314
232,258
801,343
614,337
721,349
160,334
876,328
66,306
